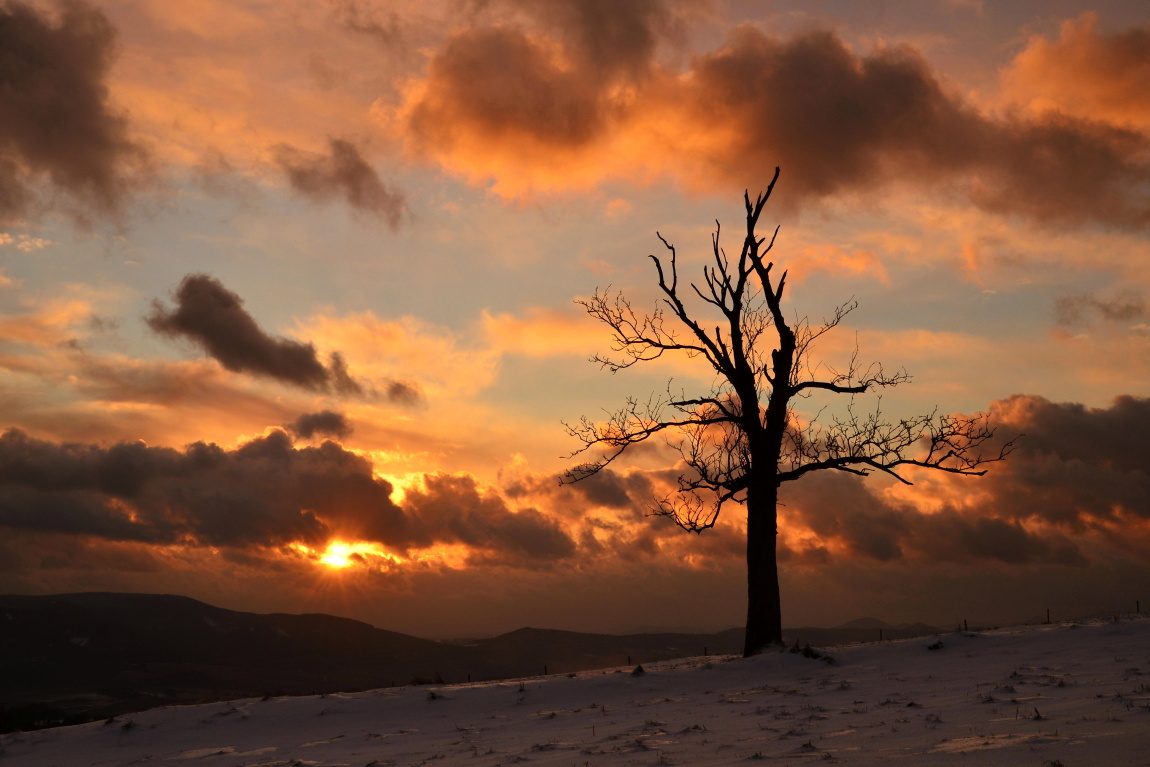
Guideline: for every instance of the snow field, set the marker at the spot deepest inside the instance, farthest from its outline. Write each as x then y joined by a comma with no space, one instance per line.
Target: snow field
1068,695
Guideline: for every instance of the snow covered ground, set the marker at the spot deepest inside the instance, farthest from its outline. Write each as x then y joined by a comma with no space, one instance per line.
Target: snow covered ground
1069,694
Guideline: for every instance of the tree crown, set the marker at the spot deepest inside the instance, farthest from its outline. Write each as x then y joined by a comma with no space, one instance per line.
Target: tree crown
745,430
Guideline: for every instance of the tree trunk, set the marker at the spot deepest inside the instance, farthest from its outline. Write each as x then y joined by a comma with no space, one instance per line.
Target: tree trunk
764,610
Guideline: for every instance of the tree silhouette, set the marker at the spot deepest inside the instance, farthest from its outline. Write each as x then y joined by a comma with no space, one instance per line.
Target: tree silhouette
742,440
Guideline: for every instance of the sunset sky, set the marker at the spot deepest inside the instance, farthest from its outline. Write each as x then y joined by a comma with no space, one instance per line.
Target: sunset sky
287,288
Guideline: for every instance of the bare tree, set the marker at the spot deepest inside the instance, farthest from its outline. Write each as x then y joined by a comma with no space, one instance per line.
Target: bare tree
742,440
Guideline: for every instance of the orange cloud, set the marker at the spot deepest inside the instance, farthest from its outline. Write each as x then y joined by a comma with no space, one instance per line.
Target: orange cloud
502,107
521,110
61,380
204,103
542,98
544,333
832,259
70,315
116,397
441,363
206,19
1085,73
54,322
23,242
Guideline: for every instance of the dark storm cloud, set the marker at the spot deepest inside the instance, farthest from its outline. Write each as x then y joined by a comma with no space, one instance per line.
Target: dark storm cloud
1076,466
131,492
323,423
1077,473
214,318
501,80
840,508
1064,171
340,488
605,489
343,173
1010,542
265,493
1114,436
1084,307
613,490
829,117
402,393
611,39
496,82
55,120
836,121
458,512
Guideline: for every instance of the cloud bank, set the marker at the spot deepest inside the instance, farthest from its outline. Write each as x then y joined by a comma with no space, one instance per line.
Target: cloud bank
266,493
1070,506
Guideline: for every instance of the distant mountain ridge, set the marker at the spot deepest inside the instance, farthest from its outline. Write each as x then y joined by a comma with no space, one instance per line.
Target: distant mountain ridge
75,657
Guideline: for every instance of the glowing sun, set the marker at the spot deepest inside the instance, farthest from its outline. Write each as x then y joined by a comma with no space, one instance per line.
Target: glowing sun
337,555
340,555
